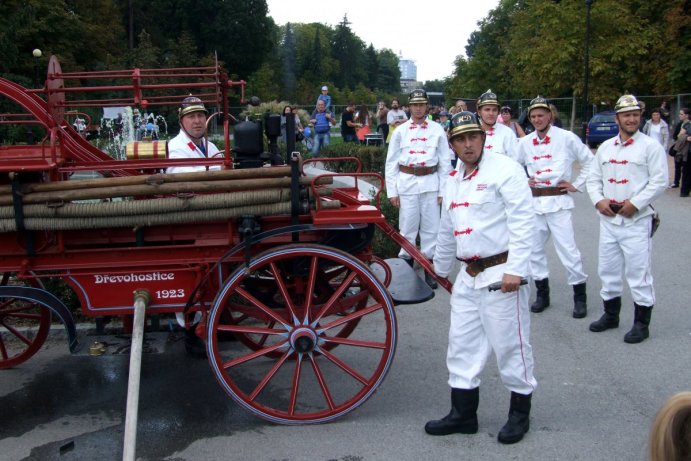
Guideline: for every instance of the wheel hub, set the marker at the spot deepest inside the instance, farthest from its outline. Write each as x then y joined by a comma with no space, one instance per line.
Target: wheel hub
303,340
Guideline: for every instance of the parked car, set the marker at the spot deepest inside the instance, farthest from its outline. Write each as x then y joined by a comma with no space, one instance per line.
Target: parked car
600,128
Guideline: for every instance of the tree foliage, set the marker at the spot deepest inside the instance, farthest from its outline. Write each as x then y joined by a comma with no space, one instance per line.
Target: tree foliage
529,47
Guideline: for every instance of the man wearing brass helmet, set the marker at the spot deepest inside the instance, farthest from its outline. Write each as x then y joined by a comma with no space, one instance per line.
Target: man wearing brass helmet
548,155
417,165
628,174
487,224
191,141
500,138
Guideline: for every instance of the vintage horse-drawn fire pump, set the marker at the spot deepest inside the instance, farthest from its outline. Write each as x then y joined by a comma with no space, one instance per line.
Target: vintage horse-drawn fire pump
271,267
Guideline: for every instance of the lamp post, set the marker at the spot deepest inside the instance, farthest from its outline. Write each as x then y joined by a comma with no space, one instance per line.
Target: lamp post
586,67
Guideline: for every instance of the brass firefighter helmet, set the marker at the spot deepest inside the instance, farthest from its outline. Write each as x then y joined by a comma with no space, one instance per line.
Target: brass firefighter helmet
538,103
626,103
189,105
488,98
464,122
418,97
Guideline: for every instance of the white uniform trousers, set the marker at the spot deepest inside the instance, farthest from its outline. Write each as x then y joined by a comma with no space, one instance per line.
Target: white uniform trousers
625,251
419,212
482,321
559,225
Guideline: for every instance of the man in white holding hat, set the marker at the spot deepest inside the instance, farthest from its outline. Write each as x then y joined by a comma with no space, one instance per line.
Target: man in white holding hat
191,142
629,172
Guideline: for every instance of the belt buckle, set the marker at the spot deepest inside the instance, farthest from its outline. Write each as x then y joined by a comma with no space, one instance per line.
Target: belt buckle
417,169
472,269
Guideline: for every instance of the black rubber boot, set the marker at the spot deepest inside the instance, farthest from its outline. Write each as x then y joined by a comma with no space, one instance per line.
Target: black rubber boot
641,321
610,319
519,419
462,419
542,301
580,298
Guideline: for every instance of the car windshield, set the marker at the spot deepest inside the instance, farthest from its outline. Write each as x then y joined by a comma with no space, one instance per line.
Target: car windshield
603,118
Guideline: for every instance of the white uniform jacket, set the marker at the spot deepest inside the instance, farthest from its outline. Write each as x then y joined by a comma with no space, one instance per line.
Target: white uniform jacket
550,160
635,170
483,214
181,146
501,140
417,144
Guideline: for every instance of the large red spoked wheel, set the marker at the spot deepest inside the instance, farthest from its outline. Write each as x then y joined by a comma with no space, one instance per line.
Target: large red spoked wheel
24,325
294,374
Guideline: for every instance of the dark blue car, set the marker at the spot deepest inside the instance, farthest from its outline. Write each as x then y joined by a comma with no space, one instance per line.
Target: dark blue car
600,128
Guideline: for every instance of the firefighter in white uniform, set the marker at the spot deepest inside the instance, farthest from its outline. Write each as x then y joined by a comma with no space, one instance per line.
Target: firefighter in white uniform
628,173
487,223
548,155
191,141
417,165
500,138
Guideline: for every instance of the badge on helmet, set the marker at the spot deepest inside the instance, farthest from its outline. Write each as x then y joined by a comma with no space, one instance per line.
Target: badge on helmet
538,103
462,123
418,97
626,103
189,105
488,98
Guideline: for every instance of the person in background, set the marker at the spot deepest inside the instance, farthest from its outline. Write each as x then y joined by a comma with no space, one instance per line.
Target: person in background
670,433
382,124
362,120
548,155
395,117
682,154
322,120
460,105
444,120
416,169
500,139
556,121
348,124
643,119
629,172
679,168
288,111
505,118
487,224
191,141
664,111
657,128
324,96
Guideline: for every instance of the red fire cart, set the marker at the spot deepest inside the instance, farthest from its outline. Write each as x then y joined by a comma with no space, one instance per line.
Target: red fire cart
271,267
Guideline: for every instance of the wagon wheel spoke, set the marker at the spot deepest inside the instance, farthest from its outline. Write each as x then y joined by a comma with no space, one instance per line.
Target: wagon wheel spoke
352,316
16,333
296,385
260,387
265,332
322,383
263,307
24,324
283,290
342,365
335,296
354,342
252,356
309,297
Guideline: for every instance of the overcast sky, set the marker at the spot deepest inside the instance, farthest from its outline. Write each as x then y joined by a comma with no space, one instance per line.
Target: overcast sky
432,34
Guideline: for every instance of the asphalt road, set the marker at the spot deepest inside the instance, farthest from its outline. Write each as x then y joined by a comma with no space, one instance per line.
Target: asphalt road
595,400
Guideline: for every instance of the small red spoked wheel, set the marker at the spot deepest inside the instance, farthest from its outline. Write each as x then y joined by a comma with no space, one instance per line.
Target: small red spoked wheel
24,325
294,374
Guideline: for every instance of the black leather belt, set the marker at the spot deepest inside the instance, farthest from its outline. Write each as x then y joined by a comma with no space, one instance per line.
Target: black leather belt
475,266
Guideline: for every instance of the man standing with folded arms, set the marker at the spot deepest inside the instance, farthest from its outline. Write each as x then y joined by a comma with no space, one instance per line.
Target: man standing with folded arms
417,164
628,174
548,155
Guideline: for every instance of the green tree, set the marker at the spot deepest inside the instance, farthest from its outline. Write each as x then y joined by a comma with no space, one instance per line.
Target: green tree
288,54
348,50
